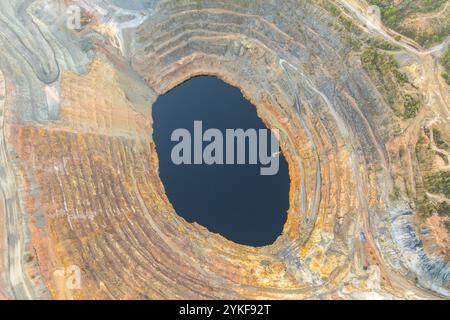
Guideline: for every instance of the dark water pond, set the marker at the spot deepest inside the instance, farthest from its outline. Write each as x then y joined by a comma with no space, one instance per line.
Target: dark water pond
234,200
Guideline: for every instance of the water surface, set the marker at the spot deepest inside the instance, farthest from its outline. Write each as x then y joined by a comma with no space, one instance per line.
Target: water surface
232,200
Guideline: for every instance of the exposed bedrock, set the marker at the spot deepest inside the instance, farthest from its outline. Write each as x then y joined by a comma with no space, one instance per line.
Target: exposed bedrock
78,146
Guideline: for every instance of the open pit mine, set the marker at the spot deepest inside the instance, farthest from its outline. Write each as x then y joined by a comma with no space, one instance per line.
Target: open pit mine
361,102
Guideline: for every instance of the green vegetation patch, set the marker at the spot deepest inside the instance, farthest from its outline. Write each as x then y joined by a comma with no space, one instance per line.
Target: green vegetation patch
344,22
393,13
446,63
439,140
411,107
443,209
380,43
438,182
424,157
384,70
